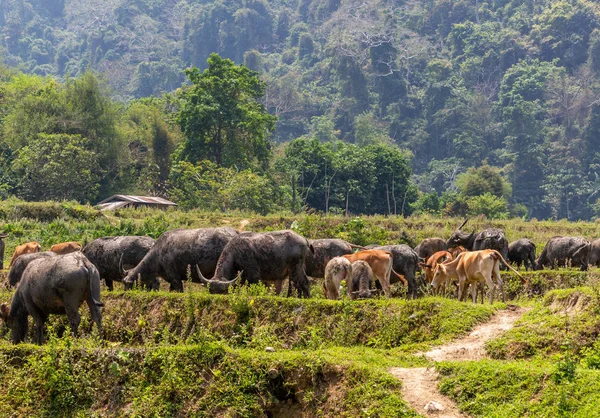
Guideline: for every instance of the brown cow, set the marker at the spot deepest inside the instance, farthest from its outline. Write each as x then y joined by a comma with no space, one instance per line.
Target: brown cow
473,267
27,248
455,251
435,259
381,264
66,247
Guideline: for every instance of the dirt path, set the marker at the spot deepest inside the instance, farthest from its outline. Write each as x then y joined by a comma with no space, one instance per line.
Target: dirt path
419,385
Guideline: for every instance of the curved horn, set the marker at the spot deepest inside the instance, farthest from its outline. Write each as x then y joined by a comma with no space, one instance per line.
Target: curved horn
464,223
201,277
122,271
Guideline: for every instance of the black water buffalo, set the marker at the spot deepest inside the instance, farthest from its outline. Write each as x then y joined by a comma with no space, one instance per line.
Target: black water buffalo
565,251
406,263
362,277
488,239
178,250
324,250
53,285
522,252
108,252
19,265
430,246
268,256
594,259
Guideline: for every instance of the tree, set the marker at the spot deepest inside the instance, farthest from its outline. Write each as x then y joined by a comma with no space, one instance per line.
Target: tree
221,117
485,179
57,167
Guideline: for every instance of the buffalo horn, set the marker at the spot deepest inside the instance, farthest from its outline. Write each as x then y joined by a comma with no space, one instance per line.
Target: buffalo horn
122,271
464,223
202,278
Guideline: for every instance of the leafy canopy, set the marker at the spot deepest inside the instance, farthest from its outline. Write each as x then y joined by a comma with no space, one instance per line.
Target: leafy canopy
221,117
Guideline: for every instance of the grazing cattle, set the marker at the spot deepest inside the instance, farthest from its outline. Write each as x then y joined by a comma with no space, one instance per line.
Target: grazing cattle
66,247
360,284
429,246
27,248
522,252
336,270
594,257
325,250
435,259
268,256
405,263
472,268
176,252
488,239
112,254
381,263
53,285
16,271
565,251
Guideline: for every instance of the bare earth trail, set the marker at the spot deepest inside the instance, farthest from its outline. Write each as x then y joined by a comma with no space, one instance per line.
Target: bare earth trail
419,384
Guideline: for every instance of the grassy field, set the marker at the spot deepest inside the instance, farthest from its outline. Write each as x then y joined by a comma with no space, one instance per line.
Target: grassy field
254,354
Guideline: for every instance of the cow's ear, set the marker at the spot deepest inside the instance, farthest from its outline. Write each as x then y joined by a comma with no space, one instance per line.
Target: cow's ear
4,311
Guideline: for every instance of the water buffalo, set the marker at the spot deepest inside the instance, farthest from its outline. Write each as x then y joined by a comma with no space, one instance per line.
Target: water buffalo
269,257
430,246
27,248
406,263
360,285
337,269
53,285
565,251
177,250
522,252
488,239
594,259
66,247
16,271
325,250
107,253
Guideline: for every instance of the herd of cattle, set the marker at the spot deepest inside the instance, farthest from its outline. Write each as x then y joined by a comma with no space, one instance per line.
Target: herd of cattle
60,280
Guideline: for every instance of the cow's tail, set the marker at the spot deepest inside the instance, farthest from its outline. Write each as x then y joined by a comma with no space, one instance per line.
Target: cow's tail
498,256
401,277
94,278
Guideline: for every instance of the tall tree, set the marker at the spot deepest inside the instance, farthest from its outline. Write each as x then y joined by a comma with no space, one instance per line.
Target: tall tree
221,116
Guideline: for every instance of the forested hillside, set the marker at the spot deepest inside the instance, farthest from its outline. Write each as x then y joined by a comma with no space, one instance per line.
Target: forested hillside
511,88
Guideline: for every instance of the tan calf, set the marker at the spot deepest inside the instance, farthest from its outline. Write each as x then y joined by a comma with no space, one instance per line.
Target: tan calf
66,247
472,268
27,248
435,259
381,263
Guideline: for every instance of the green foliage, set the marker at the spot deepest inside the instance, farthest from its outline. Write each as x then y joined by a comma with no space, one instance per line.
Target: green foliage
209,187
58,167
482,180
221,117
489,205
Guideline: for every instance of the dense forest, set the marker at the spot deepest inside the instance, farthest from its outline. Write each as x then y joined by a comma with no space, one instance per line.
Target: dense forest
445,106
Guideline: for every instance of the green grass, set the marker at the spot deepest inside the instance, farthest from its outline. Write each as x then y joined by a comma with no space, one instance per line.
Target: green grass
563,320
521,389
195,354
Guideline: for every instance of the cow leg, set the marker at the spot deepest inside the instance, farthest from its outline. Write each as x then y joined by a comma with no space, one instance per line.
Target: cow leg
73,316
95,313
500,283
298,276
109,284
39,319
